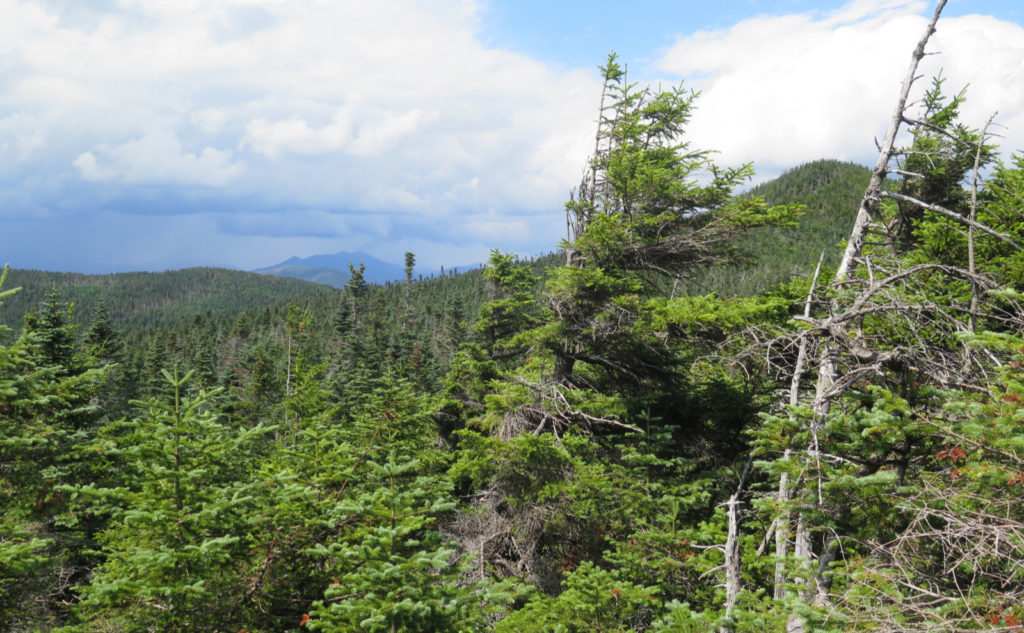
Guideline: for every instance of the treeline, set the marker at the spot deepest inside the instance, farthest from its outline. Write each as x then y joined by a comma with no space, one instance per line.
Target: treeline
591,447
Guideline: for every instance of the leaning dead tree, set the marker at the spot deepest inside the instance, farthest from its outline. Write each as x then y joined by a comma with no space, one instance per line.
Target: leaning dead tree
868,217
887,317
897,295
823,335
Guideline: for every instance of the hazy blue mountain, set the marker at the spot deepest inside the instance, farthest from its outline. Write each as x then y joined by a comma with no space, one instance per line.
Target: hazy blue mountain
316,274
332,270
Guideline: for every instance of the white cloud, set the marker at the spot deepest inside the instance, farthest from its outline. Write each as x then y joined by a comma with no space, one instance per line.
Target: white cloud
158,158
405,82
375,135
208,120
20,139
494,228
295,135
789,89
90,169
381,134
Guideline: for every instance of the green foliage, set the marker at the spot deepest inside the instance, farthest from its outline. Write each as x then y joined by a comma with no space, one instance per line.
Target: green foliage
46,416
710,318
177,520
138,300
592,599
651,211
22,549
943,152
956,520
389,565
512,309
1001,201
524,466
393,571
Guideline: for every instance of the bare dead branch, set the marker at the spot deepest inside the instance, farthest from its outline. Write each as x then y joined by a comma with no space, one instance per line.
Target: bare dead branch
952,215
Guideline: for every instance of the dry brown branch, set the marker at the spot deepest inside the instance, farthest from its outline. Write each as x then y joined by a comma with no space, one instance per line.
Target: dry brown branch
954,567
945,430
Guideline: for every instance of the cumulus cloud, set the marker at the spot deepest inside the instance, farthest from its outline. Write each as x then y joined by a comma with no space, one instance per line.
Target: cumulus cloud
157,157
782,90
376,134
336,80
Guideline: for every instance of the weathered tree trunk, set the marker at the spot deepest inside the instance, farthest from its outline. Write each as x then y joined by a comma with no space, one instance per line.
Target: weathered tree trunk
823,579
732,561
802,550
868,208
828,367
782,533
732,550
971,263
783,518
564,364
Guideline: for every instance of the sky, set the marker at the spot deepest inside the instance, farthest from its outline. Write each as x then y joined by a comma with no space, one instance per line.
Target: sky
163,134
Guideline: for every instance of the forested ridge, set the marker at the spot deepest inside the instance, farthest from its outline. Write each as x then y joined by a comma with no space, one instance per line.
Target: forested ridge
144,299
791,409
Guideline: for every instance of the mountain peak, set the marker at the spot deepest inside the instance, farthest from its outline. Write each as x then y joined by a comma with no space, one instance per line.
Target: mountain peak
332,269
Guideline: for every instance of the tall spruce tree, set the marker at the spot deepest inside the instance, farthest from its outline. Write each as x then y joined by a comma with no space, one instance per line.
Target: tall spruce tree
607,391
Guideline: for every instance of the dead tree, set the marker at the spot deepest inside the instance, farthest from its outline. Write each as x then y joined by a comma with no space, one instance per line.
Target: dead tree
874,284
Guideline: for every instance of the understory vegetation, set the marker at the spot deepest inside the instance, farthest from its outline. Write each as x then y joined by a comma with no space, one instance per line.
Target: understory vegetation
796,408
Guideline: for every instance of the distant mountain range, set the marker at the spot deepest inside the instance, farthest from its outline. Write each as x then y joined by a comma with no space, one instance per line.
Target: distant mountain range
332,270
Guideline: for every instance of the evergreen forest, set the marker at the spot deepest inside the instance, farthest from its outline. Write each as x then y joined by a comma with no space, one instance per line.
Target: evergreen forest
796,408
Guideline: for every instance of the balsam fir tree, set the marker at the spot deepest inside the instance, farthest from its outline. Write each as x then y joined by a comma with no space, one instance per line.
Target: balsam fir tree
178,520
47,418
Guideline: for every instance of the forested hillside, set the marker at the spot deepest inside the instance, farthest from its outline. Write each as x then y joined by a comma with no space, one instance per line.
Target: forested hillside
679,422
138,300
829,192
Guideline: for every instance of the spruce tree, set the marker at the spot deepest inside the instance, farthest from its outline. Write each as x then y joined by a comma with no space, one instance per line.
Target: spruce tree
178,519
47,419
101,338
